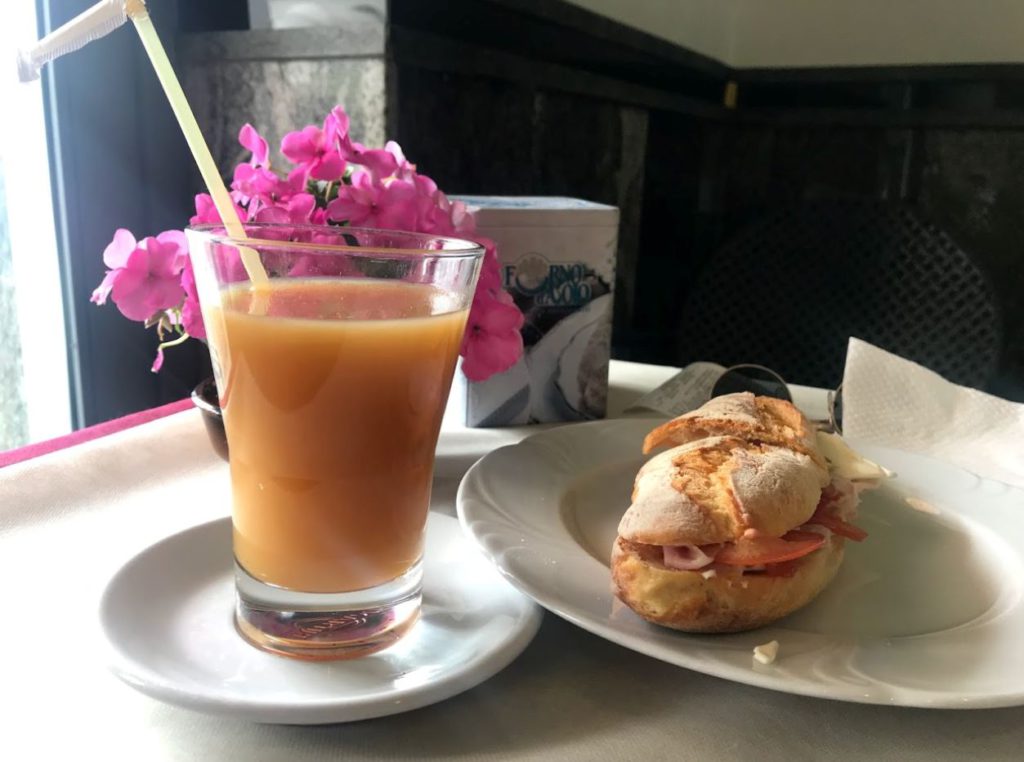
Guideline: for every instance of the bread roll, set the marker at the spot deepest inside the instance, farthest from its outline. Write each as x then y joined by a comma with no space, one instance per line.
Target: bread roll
742,472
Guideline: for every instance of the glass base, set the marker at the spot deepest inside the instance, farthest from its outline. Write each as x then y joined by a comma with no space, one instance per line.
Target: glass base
326,626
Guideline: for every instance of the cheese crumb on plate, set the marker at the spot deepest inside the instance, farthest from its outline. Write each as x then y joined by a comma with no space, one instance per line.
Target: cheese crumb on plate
766,652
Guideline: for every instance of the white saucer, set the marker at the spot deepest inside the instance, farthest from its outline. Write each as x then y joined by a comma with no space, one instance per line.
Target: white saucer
167,615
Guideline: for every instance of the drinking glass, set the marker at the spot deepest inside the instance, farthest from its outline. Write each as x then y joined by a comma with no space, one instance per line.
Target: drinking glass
333,376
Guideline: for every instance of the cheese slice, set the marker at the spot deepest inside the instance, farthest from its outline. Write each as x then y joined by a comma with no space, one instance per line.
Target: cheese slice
844,462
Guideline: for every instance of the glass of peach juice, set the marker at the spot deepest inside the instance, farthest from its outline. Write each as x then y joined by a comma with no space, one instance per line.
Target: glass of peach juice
333,373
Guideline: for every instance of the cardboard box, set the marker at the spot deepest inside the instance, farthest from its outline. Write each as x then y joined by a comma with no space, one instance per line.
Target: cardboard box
558,263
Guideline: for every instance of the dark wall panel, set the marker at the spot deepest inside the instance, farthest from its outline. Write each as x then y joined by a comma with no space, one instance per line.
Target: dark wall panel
679,225
471,135
504,138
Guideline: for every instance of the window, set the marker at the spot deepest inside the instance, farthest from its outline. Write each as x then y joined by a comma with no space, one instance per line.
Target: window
90,149
34,392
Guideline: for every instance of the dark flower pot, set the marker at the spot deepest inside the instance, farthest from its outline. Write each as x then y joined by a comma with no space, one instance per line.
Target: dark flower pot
205,398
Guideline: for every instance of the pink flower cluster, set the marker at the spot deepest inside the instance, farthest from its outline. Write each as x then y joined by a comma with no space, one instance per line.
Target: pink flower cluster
334,180
151,280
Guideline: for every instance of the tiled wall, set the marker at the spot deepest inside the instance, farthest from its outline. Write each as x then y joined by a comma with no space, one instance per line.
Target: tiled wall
272,81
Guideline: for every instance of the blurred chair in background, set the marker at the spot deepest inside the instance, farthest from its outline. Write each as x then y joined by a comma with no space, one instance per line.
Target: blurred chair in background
789,289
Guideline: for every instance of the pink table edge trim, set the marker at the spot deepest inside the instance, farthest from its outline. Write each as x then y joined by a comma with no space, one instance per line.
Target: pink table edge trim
17,455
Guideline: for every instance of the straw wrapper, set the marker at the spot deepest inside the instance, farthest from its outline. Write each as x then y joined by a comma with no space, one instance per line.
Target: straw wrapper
104,17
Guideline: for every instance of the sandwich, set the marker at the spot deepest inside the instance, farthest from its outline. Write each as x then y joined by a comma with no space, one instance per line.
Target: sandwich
742,521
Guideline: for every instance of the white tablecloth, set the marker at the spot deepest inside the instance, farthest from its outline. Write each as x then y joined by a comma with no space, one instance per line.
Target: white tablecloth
68,520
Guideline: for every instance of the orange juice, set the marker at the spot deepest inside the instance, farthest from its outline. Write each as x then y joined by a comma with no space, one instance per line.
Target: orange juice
333,397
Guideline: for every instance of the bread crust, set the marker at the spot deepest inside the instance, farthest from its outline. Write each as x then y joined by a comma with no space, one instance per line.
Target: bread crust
716,489
762,419
692,602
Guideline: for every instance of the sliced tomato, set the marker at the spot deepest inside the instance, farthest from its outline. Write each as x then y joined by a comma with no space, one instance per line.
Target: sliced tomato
761,551
838,526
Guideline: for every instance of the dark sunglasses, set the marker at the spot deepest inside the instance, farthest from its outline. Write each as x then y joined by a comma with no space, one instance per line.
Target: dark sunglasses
767,383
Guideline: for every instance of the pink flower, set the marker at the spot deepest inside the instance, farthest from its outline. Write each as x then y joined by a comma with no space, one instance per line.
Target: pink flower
320,265
463,222
379,162
288,186
254,180
252,140
355,203
152,280
115,256
489,282
206,211
191,315
315,151
297,210
404,170
207,214
177,240
435,211
228,263
492,342
254,184
145,277
366,203
397,207
336,126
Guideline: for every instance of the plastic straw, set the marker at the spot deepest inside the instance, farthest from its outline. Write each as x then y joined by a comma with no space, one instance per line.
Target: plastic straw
138,13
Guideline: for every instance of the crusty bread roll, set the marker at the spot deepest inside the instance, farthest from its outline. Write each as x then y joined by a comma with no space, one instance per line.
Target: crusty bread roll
744,471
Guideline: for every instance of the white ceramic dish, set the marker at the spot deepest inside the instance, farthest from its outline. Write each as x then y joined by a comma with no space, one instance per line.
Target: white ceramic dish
167,615
926,612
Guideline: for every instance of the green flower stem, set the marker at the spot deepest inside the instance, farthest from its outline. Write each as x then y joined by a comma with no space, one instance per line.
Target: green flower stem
173,342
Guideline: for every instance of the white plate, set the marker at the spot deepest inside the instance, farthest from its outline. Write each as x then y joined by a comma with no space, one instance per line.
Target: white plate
168,617
926,612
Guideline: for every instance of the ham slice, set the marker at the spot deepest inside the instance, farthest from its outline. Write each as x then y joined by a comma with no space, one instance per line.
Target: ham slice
689,557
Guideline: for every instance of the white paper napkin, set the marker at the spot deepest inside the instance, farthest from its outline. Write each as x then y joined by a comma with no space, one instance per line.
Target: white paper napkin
891,401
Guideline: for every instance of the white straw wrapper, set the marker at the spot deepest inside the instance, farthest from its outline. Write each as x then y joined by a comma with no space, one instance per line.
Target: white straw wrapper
99,20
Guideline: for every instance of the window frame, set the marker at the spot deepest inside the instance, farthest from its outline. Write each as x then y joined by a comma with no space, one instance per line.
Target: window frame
117,159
